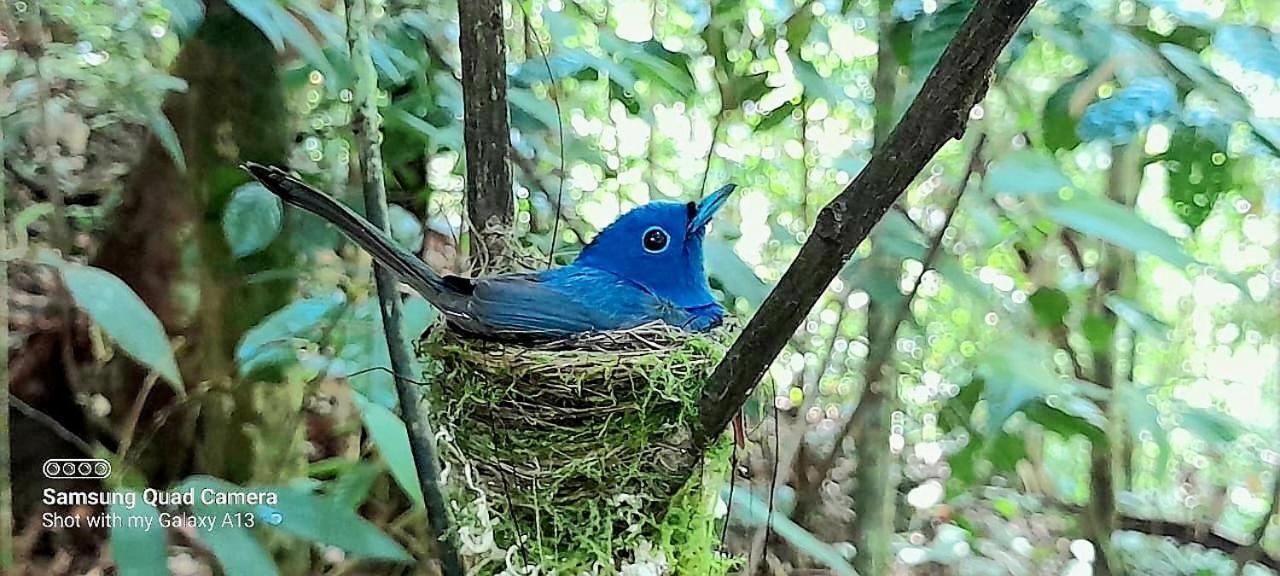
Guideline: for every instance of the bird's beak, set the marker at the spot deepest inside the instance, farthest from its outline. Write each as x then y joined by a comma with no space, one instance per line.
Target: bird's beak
708,207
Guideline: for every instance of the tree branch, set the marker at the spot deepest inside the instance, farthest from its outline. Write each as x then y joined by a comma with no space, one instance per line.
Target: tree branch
421,439
486,126
938,114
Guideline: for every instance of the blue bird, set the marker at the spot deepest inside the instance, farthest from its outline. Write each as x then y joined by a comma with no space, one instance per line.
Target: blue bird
646,266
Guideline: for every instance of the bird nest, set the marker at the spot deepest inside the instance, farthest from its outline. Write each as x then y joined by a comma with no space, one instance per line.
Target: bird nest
576,454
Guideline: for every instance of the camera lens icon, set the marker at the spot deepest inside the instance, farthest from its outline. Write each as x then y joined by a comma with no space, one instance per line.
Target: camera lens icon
76,468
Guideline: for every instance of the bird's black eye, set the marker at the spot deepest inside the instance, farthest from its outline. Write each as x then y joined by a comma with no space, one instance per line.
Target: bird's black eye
655,240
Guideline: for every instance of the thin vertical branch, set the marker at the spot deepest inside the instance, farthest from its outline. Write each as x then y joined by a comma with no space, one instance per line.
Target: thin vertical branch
6,477
421,439
32,31
486,126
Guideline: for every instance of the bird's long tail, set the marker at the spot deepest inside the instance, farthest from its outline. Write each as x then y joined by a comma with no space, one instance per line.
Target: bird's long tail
412,270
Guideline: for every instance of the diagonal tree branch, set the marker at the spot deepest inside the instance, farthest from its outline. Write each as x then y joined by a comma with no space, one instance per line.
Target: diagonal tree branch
421,438
938,114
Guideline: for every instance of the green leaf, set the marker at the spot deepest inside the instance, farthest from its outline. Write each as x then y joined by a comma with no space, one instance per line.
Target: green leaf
776,116
122,315
252,219
301,39
1058,122
815,84
1142,418
931,35
138,544
162,129
1253,47
1206,80
1137,318
1130,110
731,274
754,511
1050,306
1099,332
309,516
260,13
235,547
406,230
1118,225
1026,173
392,440
327,521
1017,377
184,16
271,341
1212,426
1199,170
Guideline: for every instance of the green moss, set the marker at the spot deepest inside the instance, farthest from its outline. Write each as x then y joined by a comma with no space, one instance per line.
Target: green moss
580,452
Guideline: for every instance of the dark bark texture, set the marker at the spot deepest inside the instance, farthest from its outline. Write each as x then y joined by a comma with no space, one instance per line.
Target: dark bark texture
938,114
486,126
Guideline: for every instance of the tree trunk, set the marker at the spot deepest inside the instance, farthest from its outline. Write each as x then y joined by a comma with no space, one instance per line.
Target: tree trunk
873,490
490,205
232,110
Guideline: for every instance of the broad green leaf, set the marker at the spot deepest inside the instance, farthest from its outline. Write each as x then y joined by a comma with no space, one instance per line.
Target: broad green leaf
1050,306
1142,417
1210,425
261,13
184,16
754,511
1253,47
1017,377
301,39
405,228
1199,170
364,346
1118,225
162,129
1130,110
1058,121
733,275
353,484
815,84
122,315
776,116
236,548
233,544
1026,173
931,35
252,219
271,341
392,440
138,544
1206,80
327,521
306,515
1137,318
1183,12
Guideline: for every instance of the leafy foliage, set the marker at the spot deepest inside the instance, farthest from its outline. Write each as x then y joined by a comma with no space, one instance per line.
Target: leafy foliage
118,311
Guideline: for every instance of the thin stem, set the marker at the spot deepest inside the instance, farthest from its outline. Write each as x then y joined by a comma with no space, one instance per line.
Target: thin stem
421,439
6,477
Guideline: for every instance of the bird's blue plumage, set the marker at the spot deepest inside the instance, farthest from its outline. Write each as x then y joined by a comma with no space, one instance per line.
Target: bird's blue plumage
645,267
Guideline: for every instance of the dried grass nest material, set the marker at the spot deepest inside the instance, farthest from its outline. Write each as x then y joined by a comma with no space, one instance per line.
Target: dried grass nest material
559,433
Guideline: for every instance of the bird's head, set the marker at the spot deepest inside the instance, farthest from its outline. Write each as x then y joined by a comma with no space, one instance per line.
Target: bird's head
659,246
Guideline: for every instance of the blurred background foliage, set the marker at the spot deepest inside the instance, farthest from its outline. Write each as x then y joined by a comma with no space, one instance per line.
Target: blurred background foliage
1082,377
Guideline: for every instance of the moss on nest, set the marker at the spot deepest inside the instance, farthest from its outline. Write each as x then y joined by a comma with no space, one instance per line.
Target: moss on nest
580,449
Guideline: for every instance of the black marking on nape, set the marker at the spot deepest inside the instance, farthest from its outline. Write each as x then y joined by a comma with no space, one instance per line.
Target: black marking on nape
691,209
459,284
